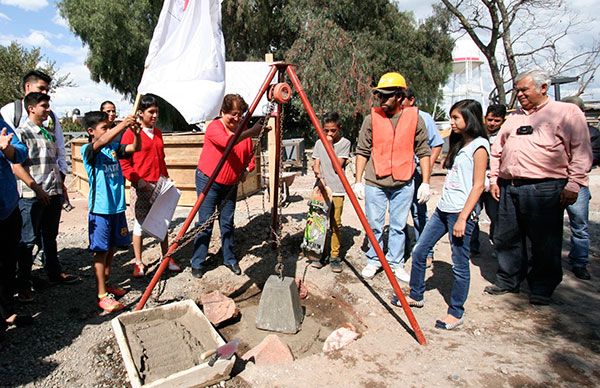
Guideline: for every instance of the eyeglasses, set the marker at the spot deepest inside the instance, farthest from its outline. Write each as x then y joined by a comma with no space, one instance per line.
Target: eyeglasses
238,115
378,94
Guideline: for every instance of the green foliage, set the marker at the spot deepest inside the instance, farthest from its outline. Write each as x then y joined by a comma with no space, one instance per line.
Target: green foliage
15,62
117,33
68,125
339,48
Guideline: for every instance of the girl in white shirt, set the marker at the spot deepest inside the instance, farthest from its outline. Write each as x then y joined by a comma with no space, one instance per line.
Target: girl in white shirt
466,163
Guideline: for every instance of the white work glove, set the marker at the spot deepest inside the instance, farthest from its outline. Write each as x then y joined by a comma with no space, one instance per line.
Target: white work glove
359,190
423,193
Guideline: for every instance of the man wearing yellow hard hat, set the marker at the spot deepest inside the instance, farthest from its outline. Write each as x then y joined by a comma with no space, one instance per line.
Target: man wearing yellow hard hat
388,141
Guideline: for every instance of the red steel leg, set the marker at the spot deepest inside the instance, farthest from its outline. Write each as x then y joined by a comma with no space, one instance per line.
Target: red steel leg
165,261
361,216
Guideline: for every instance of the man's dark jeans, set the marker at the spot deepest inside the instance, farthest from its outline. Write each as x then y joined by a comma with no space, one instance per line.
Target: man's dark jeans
40,223
530,210
10,234
490,204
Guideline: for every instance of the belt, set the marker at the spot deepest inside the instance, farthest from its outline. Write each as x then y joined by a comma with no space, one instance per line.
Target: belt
526,181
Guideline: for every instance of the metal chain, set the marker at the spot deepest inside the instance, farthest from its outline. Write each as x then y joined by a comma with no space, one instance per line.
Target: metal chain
279,267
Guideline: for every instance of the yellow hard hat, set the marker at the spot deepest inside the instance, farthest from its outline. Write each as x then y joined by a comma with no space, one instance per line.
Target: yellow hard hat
391,80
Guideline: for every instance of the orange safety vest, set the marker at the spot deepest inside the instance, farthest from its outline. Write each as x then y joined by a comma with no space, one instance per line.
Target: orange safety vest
394,149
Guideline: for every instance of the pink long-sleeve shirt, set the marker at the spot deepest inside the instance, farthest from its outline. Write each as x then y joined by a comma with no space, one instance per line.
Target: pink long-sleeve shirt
559,146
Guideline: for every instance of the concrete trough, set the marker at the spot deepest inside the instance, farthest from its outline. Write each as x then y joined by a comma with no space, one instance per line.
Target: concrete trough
161,346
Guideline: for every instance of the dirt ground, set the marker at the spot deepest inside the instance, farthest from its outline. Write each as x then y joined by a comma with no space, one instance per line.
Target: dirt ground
505,342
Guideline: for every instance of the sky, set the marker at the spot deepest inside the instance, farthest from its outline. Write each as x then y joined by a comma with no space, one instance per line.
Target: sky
36,23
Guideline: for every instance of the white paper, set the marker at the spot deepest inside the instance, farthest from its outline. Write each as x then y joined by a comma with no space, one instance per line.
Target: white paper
161,213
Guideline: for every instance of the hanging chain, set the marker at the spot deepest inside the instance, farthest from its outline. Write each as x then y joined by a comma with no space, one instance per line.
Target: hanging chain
278,234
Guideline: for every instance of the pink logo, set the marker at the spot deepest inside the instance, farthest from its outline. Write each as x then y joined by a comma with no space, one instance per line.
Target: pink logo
185,5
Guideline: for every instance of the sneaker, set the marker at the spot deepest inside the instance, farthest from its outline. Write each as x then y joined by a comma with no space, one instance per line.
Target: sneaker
369,271
109,304
116,291
64,278
173,266
581,273
401,274
316,264
25,296
138,270
495,290
335,264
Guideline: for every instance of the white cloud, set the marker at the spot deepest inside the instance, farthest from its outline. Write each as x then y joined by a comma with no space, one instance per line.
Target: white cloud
87,95
35,38
4,17
28,5
60,21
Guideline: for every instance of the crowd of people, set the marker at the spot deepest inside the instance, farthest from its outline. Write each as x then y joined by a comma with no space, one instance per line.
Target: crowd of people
524,169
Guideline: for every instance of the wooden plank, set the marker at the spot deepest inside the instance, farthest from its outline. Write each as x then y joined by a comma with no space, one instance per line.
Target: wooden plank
181,156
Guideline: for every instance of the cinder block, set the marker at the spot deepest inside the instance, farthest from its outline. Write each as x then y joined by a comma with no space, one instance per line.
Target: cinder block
279,308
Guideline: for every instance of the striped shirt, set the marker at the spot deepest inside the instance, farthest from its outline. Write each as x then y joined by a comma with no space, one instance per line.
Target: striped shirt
42,161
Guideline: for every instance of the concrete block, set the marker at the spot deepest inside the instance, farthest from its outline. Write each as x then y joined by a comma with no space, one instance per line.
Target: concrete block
271,351
279,308
218,307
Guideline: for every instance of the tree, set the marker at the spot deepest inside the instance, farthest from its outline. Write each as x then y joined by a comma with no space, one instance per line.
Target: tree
519,33
340,48
15,62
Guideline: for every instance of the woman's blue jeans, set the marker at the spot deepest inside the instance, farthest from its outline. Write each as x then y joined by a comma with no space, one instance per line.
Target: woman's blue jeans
438,225
219,196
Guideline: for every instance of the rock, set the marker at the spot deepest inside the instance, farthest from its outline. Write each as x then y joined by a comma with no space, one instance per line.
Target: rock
218,308
339,338
302,290
455,377
270,351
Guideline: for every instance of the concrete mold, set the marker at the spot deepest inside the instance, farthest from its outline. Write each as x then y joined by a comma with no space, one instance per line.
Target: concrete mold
161,346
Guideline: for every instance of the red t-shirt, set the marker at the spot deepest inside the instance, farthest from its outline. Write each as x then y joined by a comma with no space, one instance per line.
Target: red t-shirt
215,141
149,162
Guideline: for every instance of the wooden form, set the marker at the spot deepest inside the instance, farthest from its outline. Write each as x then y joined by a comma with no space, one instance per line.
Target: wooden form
181,155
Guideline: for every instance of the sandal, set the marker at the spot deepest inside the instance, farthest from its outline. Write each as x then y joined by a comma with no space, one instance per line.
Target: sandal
411,303
439,324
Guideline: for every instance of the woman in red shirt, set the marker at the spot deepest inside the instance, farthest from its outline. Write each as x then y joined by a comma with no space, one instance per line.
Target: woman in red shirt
223,192
143,169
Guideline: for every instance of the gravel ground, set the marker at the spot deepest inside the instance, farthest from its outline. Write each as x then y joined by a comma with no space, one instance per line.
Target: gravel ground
505,341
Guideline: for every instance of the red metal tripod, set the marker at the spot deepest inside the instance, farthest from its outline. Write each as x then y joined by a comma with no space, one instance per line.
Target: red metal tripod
282,69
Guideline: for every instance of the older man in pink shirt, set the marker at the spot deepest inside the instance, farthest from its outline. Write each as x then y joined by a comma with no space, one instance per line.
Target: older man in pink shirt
538,163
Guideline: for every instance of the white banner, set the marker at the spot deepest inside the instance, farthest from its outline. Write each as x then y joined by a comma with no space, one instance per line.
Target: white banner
186,58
